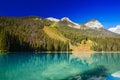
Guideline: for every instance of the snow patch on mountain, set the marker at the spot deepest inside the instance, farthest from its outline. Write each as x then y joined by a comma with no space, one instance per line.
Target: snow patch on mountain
115,29
53,19
94,24
37,18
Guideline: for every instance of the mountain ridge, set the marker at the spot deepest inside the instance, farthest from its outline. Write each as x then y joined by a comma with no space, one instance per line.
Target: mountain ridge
40,34
115,29
93,24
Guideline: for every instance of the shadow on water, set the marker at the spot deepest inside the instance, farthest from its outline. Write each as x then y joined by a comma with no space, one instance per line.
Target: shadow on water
97,73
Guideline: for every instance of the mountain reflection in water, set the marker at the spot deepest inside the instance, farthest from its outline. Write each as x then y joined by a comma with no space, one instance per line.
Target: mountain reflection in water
57,66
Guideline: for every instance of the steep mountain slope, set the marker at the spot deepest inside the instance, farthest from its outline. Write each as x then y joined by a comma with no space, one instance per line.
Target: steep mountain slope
67,22
67,19
54,33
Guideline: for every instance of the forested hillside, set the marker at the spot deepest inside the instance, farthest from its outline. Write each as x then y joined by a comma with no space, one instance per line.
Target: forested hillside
103,40
36,34
27,34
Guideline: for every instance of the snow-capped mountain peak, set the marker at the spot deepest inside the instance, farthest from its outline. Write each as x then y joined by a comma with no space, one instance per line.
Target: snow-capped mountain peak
115,29
94,24
53,19
67,19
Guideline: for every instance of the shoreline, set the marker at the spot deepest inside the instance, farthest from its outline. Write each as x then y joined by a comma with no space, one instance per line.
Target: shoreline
73,52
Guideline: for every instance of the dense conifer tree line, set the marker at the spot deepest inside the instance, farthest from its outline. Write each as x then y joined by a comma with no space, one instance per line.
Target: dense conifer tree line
26,34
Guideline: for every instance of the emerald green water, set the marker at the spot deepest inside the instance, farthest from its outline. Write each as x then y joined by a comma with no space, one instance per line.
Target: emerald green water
57,66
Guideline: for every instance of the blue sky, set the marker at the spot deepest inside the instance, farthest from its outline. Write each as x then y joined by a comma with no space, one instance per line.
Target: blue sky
80,11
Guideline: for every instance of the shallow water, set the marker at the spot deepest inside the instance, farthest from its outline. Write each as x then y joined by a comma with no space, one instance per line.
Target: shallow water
57,66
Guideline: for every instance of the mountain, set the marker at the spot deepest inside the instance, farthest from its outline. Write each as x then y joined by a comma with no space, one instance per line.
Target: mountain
18,34
92,27
94,24
65,21
115,29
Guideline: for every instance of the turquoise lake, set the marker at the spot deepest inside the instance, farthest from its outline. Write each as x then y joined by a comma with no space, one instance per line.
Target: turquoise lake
58,66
